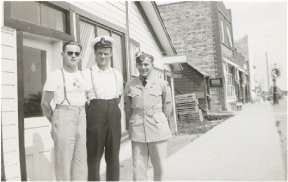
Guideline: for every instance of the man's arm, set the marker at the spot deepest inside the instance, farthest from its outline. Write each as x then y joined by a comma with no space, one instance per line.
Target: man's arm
127,103
167,101
47,96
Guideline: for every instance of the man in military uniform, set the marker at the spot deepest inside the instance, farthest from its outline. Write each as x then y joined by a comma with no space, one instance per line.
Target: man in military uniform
148,106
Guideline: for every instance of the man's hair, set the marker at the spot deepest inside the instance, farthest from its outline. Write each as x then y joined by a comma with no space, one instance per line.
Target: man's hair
71,43
140,56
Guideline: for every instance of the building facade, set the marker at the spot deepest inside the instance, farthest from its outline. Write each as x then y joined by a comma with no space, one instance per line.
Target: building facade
242,46
32,36
203,31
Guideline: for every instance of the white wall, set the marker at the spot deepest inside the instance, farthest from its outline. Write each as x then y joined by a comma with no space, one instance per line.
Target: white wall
9,103
140,32
112,11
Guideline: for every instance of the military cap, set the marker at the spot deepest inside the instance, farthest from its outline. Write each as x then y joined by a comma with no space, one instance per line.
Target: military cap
102,41
140,56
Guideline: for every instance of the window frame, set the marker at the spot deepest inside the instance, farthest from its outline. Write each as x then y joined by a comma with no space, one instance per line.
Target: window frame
38,29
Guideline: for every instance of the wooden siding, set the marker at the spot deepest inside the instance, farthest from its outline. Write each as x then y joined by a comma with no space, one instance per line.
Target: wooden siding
139,31
111,11
9,105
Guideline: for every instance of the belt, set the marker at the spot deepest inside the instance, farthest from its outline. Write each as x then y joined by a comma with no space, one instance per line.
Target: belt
59,106
105,101
150,111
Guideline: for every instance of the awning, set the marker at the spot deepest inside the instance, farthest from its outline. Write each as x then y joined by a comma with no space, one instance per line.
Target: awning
197,68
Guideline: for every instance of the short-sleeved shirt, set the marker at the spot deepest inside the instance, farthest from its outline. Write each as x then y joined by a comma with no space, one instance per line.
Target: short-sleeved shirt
107,84
76,87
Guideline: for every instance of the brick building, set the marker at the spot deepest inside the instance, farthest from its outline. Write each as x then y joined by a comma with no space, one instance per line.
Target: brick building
242,46
202,30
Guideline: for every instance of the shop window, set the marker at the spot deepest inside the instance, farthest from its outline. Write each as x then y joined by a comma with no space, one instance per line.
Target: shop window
34,68
39,14
230,86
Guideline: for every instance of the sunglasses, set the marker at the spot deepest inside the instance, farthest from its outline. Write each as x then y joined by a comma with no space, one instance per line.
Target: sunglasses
70,53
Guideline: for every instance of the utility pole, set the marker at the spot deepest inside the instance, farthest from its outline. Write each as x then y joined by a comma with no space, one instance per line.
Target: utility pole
267,72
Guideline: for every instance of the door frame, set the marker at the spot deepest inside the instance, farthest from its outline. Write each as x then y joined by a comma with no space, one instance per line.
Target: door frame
20,81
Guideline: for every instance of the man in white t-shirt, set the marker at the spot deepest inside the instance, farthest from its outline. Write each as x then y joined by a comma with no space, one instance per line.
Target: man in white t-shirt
104,114
66,87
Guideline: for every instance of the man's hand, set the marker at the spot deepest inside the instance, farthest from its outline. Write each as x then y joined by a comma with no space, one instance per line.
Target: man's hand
47,96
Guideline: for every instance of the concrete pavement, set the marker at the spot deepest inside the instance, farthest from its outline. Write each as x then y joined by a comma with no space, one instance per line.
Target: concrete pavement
245,147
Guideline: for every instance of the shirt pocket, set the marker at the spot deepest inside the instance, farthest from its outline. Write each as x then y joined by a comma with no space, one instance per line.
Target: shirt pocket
159,118
136,120
135,95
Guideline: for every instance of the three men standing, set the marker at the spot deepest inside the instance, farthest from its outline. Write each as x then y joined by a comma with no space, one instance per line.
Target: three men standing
148,106
104,115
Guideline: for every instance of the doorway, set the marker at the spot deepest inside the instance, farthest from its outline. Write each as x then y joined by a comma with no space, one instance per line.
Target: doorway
41,56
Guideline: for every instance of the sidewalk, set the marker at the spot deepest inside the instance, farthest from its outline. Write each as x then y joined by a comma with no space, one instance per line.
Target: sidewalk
245,147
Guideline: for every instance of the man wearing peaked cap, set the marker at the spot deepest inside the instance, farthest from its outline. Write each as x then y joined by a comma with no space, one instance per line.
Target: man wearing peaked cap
148,106
103,115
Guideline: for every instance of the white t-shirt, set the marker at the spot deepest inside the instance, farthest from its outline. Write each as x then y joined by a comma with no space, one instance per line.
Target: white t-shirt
106,84
76,87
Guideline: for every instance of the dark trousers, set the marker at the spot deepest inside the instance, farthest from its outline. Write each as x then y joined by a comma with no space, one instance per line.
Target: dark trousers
103,131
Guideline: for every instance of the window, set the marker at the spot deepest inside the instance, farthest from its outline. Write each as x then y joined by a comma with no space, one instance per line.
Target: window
134,47
86,35
39,14
222,31
230,86
34,68
229,37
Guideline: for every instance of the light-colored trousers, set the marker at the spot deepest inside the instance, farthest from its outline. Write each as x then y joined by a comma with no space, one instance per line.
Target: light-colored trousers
157,151
69,135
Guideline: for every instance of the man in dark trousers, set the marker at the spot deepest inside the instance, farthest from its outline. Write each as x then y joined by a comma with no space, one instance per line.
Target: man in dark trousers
104,115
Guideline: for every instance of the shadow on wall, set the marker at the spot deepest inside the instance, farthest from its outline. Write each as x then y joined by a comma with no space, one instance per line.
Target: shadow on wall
40,164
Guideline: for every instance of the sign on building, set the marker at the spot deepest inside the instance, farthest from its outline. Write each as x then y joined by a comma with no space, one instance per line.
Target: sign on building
215,82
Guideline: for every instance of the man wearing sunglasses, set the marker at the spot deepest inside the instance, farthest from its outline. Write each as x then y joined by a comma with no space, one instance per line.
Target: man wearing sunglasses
104,114
67,89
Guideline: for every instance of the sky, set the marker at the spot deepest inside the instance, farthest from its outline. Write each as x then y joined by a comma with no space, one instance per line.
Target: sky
265,23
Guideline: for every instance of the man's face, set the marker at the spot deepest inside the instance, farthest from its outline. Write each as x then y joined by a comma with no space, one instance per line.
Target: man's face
103,56
71,56
145,67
